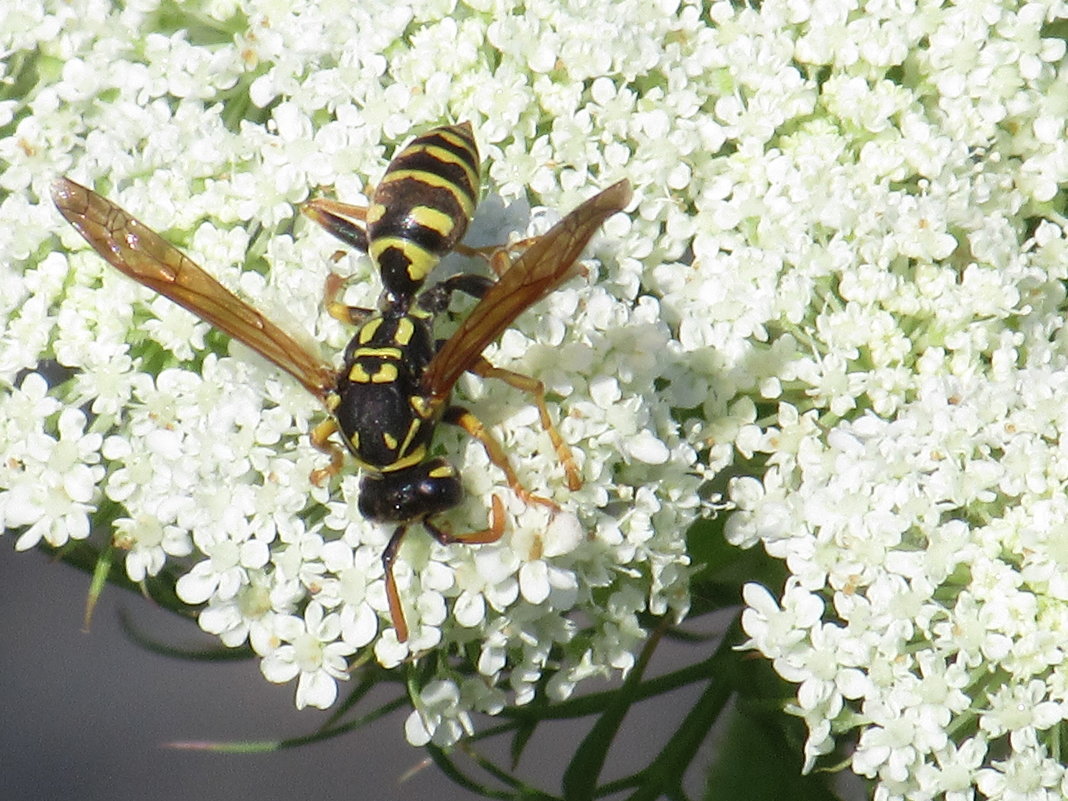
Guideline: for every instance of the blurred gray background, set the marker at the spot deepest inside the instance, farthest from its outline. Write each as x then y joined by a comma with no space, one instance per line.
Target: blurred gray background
87,715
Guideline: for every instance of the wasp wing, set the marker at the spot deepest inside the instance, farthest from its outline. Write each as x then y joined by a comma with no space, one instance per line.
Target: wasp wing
545,264
139,252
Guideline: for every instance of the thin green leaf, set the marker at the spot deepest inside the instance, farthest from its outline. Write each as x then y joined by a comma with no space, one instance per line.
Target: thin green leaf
520,788
664,776
449,767
266,746
523,732
101,570
584,770
215,653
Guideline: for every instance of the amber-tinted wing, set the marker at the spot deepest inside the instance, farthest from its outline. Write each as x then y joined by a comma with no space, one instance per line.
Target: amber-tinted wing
545,264
142,254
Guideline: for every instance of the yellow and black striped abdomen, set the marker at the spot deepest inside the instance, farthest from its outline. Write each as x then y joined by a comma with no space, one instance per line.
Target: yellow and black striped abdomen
421,208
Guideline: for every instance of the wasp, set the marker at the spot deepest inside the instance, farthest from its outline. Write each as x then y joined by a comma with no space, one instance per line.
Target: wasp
396,380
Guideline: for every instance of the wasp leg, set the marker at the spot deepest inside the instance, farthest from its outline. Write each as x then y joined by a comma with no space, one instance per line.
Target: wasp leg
474,253
320,439
343,220
459,416
486,535
352,315
533,386
389,556
487,253
436,299
496,256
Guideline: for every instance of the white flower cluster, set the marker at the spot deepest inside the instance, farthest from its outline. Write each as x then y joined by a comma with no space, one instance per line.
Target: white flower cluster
847,255
210,121
903,254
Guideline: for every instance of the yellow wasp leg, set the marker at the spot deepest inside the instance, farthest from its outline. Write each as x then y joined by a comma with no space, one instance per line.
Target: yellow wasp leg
389,556
458,416
496,256
536,388
350,315
320,439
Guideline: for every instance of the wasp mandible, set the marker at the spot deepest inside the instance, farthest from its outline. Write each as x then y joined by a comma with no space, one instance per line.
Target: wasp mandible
395,382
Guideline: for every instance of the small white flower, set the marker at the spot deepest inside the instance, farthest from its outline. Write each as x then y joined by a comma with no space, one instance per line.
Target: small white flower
308,648
52,487
1029,775
1021,710
149,543
438,716
250,616
231,556
349,572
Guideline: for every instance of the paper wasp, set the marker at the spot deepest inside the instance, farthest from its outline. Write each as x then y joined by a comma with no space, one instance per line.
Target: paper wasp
395,381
